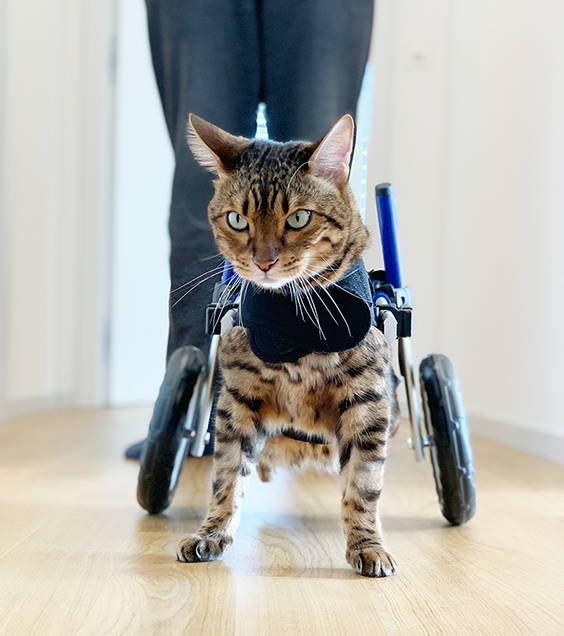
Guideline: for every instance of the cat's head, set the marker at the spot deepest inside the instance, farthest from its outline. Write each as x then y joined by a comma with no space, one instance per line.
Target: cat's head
282,212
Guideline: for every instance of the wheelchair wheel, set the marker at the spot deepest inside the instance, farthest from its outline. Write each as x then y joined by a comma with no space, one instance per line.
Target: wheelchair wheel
171,429
449,442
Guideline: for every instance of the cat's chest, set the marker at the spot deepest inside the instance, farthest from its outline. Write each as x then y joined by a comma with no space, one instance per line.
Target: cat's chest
300,384
305,395
290,384
302,397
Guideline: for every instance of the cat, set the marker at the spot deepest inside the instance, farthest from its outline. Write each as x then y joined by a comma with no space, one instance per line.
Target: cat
284,215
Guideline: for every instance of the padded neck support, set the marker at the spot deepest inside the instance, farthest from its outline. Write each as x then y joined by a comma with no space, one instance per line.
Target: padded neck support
331,319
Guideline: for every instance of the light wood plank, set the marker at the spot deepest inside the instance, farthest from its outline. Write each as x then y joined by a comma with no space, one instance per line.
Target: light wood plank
78,555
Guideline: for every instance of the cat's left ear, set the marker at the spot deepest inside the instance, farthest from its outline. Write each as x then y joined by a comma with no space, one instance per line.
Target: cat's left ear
212,147
332,158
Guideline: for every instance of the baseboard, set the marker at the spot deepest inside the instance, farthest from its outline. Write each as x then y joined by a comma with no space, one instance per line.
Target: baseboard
17,409
538,443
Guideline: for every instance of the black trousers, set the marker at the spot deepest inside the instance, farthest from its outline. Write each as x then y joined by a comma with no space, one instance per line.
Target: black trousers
219,59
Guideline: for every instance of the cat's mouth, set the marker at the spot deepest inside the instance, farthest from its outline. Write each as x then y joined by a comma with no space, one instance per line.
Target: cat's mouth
271,282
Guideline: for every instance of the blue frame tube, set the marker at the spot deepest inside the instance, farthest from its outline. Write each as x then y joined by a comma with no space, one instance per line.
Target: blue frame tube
387,222
228,273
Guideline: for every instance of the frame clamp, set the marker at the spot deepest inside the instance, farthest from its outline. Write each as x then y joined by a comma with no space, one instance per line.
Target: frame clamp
402,316
219,308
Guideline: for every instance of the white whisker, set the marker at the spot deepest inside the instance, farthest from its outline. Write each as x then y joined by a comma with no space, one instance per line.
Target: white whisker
215,269
193,288
295,173
298,299
304,306
209,258
222,301
314,310
337,306
317,275
321,299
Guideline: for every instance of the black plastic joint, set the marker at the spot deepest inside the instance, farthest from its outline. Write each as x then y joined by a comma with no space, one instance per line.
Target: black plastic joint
403,316
214,316
384,189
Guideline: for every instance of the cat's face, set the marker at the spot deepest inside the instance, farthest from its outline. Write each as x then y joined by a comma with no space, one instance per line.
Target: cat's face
282,212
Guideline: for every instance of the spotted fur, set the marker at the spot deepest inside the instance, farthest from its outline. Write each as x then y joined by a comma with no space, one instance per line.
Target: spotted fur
341,403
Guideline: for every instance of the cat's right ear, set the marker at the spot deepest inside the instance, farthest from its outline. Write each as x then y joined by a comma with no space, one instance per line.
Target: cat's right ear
212,147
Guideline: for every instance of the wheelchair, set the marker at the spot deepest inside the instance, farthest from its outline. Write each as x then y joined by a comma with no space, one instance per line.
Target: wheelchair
180,425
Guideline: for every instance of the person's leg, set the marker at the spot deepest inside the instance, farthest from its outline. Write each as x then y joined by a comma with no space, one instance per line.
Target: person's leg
314,55
206,60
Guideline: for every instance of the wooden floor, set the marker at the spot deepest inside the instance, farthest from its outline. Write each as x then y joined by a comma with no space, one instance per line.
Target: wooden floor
79,557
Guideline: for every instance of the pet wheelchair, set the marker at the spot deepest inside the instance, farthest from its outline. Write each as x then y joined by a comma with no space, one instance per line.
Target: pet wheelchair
180,425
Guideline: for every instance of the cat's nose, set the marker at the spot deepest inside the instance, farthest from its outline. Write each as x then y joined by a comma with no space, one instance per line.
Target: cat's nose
264,265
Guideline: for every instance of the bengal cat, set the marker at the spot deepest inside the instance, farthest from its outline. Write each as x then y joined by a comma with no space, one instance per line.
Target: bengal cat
285,216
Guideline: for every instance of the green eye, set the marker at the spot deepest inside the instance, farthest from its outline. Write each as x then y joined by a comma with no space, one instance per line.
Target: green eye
237,222
298,220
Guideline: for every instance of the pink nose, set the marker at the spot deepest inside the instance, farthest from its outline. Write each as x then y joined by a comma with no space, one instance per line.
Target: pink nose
265,265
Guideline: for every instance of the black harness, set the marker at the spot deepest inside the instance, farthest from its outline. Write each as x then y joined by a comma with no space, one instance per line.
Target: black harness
327,320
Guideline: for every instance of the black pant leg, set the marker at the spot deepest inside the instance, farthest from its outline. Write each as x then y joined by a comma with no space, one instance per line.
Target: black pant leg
314,56
206,60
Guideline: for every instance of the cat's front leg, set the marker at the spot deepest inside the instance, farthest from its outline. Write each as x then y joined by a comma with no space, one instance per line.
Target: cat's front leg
238,441
362,435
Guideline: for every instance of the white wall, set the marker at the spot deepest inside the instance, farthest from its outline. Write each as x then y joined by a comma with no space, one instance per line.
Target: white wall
140,245
56,109
4,221
476,156
504,203
407,148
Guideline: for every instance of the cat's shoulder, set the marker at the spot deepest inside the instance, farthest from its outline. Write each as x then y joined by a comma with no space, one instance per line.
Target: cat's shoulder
235,341
235,336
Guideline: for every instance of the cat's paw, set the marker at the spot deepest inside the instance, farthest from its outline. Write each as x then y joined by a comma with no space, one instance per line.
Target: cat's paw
195,548
265,472
372,562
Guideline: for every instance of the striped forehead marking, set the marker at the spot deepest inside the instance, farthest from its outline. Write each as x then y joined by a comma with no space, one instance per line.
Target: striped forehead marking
268,167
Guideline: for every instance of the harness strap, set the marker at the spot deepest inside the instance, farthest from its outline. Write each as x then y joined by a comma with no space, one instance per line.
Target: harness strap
328,320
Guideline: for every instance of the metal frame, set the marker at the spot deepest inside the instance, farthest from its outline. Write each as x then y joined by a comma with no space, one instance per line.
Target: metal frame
387,222
417,441
205,401
201,403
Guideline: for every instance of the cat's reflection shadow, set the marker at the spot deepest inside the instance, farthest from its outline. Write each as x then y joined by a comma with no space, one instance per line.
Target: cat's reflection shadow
173,520
344,572
395,524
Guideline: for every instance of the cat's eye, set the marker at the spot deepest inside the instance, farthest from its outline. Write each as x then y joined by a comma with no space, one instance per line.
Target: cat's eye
237,222
298,220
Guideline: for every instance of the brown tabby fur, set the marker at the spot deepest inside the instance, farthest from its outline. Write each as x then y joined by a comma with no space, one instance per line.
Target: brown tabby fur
344,399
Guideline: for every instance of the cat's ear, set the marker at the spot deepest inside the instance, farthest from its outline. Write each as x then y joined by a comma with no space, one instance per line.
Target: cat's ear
212,147
332,157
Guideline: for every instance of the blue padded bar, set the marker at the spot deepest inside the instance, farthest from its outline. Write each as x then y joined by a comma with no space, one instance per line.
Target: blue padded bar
389,233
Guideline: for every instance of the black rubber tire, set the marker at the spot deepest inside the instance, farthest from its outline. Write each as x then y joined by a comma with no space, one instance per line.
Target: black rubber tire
155,487
451,453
